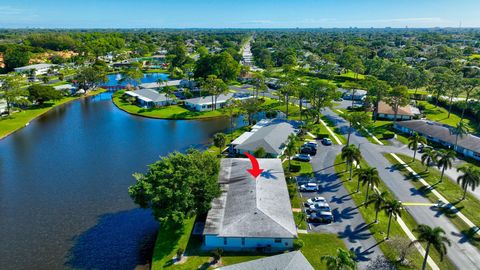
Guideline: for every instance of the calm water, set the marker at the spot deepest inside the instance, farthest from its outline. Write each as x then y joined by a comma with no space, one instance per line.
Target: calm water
64,180
147,78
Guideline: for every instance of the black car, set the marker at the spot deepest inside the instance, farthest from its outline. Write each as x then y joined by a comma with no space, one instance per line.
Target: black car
308,150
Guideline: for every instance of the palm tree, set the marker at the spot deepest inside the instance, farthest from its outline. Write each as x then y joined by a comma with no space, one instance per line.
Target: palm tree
351,154
444,159
414,141
168,91
392,208
470,177
378,200
290,151
344,260
367,176
161,82
431,236
460,130
428,157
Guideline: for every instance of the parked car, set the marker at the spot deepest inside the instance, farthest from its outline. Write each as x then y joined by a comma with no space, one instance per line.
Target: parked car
326,141
302,157
318,207
308,150
309,187
315,200
443,206
311,144
321,217
339,99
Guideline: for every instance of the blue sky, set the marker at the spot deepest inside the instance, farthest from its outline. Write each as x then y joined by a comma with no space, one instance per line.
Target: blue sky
238,14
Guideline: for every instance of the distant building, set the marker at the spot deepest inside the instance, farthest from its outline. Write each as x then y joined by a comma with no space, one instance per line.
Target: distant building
385,111
358,94
287,261
250,213
468,145
40,69
272,136
149,98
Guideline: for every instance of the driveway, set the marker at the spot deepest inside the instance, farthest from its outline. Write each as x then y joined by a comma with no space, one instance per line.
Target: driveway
349,224
462,254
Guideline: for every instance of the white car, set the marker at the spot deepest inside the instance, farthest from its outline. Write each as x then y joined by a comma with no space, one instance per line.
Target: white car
311,144
310,187
302,157
318,207
315,200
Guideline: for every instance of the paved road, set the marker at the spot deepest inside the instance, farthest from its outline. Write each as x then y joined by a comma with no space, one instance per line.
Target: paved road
461,253
349,224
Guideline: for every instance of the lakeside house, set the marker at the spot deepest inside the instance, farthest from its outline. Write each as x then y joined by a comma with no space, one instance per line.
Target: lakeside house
149,98
468,144
155,85
201,104
294,260
250,213
271,135
385,111
68,88
39,69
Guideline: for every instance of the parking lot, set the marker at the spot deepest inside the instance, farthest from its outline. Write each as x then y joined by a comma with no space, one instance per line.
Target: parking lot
348,223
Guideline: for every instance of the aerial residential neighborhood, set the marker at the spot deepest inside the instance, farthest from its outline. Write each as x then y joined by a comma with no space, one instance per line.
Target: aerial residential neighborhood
251,135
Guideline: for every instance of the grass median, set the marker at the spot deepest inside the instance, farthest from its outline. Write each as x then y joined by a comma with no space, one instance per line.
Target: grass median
448,188
379,230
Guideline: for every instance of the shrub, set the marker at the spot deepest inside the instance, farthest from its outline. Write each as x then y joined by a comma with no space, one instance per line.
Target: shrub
298,244
180,253
321,135
388,135
295,168
217,254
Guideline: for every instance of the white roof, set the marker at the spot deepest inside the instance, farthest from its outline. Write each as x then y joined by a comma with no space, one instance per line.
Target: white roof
242,138
156,85
64,87
36,66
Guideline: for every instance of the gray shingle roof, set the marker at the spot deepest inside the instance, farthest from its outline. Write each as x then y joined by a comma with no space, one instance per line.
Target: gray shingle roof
442,132
286,261
271,137
148,95
249,207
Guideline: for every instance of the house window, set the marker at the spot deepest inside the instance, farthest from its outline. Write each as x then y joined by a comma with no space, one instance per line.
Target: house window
243,241
225,241
278,240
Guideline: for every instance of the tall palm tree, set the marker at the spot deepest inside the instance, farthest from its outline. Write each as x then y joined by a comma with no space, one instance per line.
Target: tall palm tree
414,141
367,176
393,208
351,154
290,151
444,159
161,82
470,177
428,157
460,130
432,237
378,200
344,260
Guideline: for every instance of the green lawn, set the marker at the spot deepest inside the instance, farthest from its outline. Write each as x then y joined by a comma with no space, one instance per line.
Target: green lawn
440,114
18,120
448,188
379,230
318,244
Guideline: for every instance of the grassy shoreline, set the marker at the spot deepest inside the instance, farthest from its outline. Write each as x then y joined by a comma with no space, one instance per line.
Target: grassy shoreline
16,121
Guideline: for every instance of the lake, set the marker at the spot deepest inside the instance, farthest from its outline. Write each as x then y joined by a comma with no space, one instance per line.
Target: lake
113,79
64,181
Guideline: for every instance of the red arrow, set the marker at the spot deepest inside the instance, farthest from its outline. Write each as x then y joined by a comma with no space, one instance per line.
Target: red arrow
255,170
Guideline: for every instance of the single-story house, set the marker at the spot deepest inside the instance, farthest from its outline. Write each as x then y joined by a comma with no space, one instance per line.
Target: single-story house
468,144
287,261
385,111
40,69
250,213
201,104
358,94
154,85
70,89
149,98
272,137
3,106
